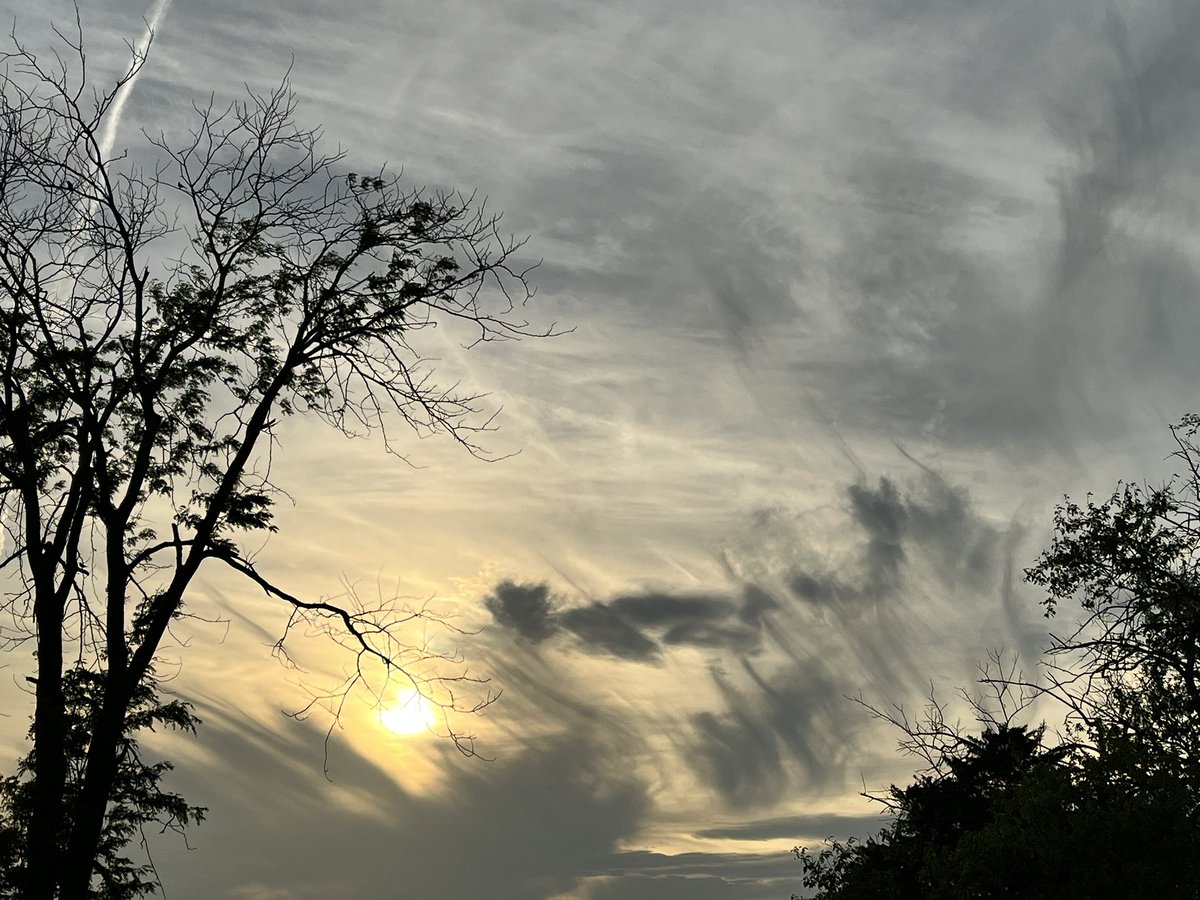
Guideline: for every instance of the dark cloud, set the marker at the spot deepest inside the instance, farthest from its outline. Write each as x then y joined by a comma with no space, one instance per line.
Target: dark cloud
960,546
524,608
602,629
883,517
750,752
638,874
736,638
916,559
822,590
756,603
657,609
532,822
636,626
734,865
933,520
700,887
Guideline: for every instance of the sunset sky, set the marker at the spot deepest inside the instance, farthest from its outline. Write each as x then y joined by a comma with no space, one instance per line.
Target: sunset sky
858,290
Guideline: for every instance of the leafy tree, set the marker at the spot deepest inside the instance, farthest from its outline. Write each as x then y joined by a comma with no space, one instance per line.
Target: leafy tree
934,847
1131,664
1114,812
156,322
136,799
1005,816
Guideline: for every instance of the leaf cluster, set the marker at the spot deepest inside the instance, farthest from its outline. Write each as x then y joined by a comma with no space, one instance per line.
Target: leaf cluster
138,800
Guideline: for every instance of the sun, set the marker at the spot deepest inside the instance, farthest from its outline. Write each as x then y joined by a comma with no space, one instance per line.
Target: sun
410,714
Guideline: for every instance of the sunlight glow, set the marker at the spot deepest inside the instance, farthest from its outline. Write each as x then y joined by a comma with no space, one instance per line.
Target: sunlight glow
410,714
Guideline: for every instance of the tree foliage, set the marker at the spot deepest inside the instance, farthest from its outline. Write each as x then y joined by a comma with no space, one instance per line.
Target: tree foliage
1006,816
159,314
1131,564
137,799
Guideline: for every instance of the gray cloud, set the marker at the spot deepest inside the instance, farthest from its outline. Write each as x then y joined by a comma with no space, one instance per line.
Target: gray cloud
533,823
736,638
1120,310
749,752
698,876
635,626
856,624
935,350
703,887
756,603
602,629
882,210
797,828
660,610
524,608
883,517
934,520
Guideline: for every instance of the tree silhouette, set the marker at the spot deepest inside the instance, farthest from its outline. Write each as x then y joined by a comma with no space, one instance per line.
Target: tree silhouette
1003,815
136,798
1112,811
1130,666
156,322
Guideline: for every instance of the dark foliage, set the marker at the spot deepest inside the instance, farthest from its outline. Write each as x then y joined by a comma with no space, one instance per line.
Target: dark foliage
1115,811
1132,566
1008,817
137,799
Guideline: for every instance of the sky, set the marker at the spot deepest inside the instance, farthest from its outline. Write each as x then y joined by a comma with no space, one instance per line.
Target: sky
856,293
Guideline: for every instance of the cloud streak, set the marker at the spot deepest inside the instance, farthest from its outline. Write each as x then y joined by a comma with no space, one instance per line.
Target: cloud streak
112,119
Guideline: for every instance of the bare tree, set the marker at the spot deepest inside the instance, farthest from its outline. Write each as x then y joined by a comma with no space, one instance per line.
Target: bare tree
156,321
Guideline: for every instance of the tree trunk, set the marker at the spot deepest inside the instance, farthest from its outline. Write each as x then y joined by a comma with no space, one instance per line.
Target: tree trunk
49,758
79,860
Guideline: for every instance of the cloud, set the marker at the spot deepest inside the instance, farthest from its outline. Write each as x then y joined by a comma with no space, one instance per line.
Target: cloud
262,892
695,876
107,137
737,638
756,603
775,735
824,612
528,825
694,887
859,208
636,627
933,520
883,517
1119,311
602,629
658,609
796,828
524,608
905,580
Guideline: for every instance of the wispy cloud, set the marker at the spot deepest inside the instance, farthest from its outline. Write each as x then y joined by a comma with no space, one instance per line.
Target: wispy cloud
791,236
111,125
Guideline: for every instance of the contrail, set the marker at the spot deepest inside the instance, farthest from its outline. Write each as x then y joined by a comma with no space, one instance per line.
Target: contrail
112,119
